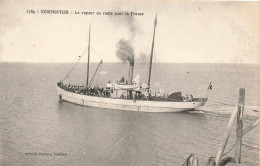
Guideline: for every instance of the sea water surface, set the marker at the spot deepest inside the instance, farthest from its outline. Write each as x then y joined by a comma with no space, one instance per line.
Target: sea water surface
37,129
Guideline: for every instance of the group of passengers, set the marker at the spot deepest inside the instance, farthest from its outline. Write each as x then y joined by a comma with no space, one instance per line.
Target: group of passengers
91,91
97,91
135,95
101,92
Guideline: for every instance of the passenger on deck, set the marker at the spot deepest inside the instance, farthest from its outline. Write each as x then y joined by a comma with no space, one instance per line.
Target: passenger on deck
191,97
122,80
122,96
137,95
134,95
187,98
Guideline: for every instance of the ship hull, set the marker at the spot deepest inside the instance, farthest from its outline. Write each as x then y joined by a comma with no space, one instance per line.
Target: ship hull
129,105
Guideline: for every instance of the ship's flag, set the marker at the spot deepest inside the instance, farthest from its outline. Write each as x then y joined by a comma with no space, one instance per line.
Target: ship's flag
210,86
136,79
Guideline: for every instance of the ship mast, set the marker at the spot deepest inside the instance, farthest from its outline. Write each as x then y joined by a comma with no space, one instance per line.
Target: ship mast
151,57
88,56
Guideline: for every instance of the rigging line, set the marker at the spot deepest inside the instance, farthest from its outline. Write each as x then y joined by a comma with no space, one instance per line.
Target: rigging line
95,52
100,84
75,64
146,71
156,73
234,146
226,152
99,65
160,72
157,69
145,58
96,78
70,66
229,150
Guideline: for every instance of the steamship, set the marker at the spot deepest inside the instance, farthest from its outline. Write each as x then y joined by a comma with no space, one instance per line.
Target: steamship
127,94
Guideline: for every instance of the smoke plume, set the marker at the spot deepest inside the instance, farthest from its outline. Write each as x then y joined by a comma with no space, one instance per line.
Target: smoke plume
125,51
128,22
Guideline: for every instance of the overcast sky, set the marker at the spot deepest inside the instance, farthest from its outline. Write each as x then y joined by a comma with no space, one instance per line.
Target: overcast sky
186,32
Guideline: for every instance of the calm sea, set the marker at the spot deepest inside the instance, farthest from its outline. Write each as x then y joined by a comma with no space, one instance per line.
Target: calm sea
36,129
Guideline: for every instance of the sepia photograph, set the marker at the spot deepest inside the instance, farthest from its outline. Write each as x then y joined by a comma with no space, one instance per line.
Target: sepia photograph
129,83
